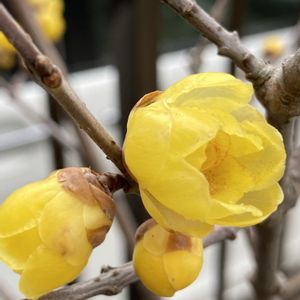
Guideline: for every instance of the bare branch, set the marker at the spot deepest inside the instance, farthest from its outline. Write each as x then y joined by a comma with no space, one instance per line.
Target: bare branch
51,79
217,12
291,288
277,88
111,281
266,282
228,43
56,131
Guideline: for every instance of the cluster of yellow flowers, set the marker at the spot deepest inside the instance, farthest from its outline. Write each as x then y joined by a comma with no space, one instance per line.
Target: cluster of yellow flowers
49,15
202,156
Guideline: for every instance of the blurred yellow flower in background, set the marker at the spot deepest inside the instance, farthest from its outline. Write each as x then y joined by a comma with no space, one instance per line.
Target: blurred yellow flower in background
273,47
166,261
49,15
48,228
203,156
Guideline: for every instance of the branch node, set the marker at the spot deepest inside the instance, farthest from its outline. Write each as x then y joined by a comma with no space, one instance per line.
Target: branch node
48,72
105,269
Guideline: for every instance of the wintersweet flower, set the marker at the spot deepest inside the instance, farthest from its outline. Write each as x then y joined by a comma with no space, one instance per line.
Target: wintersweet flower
203,156
166,261
49,228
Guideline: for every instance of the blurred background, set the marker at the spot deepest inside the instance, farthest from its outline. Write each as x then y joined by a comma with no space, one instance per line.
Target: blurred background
115,52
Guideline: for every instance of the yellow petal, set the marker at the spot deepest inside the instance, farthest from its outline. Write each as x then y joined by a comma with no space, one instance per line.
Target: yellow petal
181,188
155,240
182,268
147,143
169,219
244,144
22,208
45,271
16,249
222,210
229,180
267,165
266,201
150,269
94,217
191,129
62,229
196,89
216,150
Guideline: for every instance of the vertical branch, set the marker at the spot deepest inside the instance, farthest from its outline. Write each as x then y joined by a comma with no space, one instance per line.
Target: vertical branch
266,284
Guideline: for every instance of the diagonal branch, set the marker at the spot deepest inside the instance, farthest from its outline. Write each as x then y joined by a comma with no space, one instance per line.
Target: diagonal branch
111,281
52,80
277,88
228,43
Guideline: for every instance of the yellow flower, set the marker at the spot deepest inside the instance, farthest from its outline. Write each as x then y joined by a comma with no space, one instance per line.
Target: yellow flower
49,14
49,228
273,46
166,261
7,53
203,156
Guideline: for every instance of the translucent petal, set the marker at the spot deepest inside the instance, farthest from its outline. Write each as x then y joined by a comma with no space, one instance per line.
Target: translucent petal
16,249
94,217
267,165
222,210
169,219
150,269
62,229
229,180
247,113
147,142
244,145
216,150
197,247
45,271
182,268
199,87
266,201
191,128
22,209
181,188
155,240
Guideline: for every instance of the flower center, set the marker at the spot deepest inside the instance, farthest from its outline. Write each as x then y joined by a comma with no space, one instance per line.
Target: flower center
216,151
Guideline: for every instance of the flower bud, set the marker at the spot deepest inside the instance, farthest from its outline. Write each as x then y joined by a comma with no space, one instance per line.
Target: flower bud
48,228
166,261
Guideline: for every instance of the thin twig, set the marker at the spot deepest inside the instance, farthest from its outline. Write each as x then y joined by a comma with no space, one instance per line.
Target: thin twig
111,281
54,129
51,79
218,12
